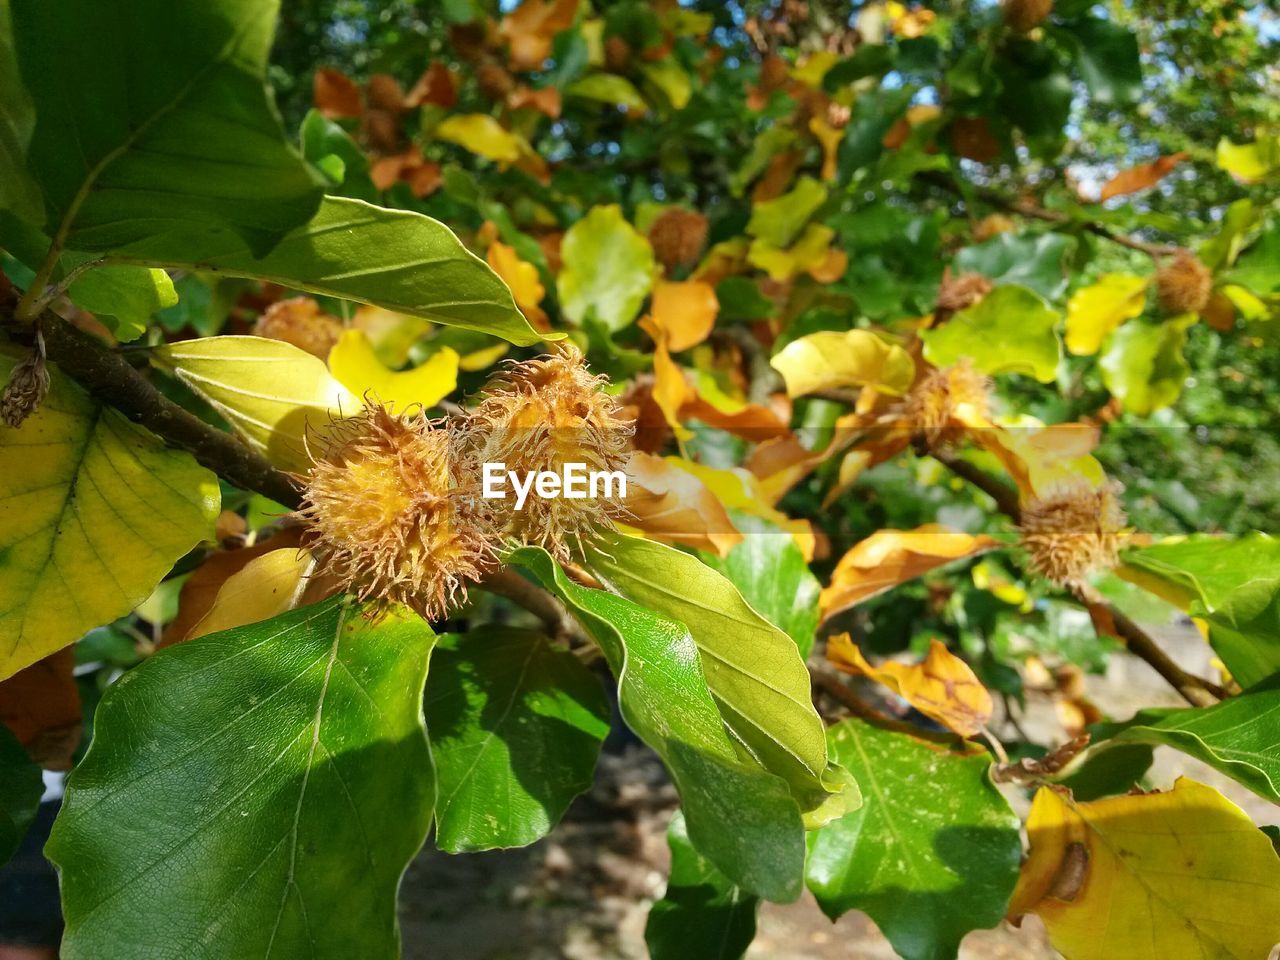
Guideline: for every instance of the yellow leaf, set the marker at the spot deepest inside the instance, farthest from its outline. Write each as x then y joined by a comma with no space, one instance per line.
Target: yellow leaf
808,253
94,510
265,587
890,557
943,687
358,368
1250,162
672,505
482,135
686,311
1156,876
670,389
392,334
484,358
1040,458
522,278
832,358
739,489
276,396
830,138
814,68
1094,311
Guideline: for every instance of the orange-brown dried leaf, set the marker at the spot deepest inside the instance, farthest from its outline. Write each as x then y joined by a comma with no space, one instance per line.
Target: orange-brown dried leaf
530,28
41,706
942,687
890,557
1141,177
673,506
437,86
335,94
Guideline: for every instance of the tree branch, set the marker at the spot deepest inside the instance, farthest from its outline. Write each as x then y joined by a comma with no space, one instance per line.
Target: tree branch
1195,690
1027,209
505,582
111,380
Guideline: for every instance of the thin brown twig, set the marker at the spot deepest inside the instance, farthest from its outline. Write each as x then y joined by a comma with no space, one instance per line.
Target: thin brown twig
1026,208
505,582
1195,690
111,380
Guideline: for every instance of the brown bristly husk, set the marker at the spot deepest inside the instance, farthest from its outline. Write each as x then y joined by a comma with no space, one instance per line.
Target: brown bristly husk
541,415
395,515
962,291
678,237
933,405
1025,15
1073,531
1183,284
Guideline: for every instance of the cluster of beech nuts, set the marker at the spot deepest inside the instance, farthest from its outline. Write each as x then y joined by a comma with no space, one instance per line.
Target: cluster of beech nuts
393,502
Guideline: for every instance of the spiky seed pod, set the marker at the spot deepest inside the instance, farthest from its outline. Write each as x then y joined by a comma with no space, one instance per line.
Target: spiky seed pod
992,225
1073,531
1025,15
541,415
27,387
1183,284
960,292
395,515
300,321
939,404
494,80
678,237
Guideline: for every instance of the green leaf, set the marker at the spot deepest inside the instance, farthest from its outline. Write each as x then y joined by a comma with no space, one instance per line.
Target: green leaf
515,726
740,817
1036,261
669,77
1010,330
158,118
18,191
93,512
869,60
753,669
1245,630
124,298
932,854
21,787
1108,59
780,220
609,88
323,143
350,249
1227,582
1143,366
770,142
608,269
1107,772
874,113
1239,737
702,914
256,792
771,574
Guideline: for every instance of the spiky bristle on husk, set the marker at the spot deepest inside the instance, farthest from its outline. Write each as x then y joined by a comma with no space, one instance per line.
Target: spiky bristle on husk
541,415
945,400
394,514
962,291
1073,531
1183,284
678,237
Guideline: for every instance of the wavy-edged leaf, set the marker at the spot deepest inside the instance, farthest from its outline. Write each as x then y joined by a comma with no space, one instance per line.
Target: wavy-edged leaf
1143,366
353,250
702,914
608,269
158,117
753,669
932,853
1239,737
277,397
740,817
1037,261
848,358
256,792
1010,330
515,726
18,191
94,510
1149,877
